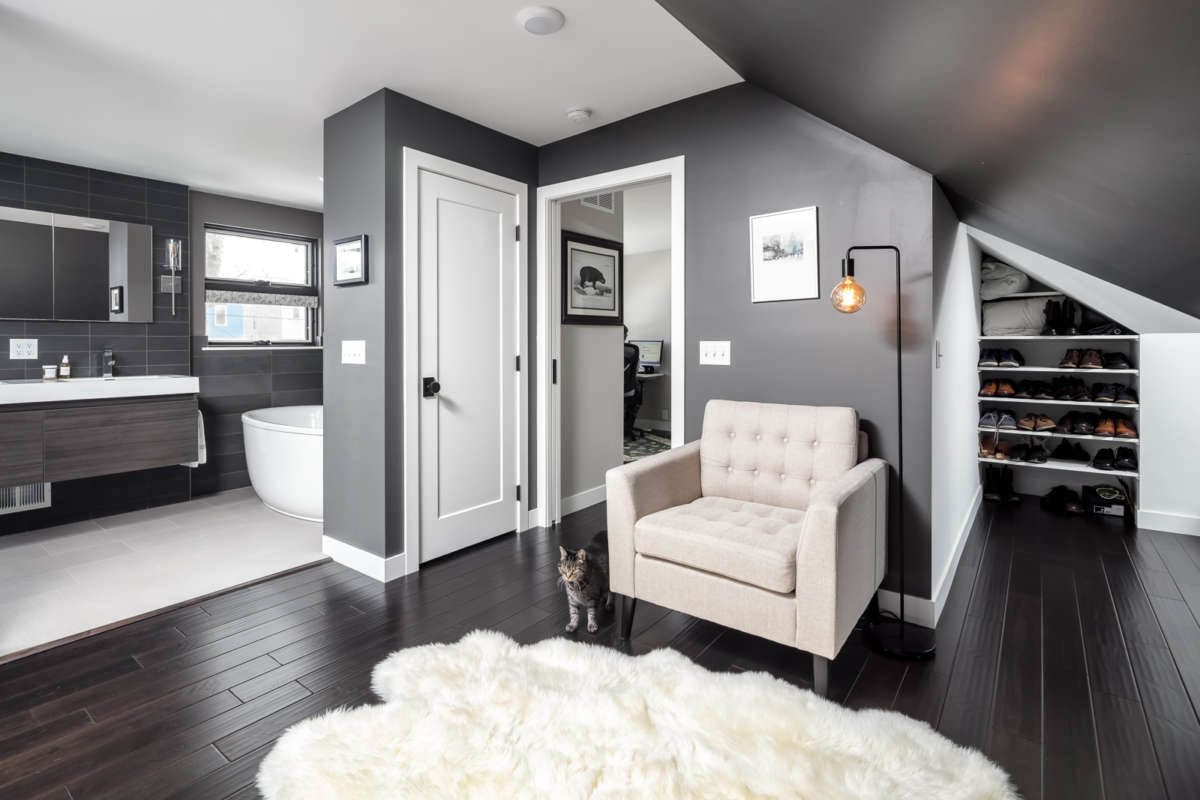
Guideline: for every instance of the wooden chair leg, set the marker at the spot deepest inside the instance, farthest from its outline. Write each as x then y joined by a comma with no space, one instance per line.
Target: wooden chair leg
626,615
820,675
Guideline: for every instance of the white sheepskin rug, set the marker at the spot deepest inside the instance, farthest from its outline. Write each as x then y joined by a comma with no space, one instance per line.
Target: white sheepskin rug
488,718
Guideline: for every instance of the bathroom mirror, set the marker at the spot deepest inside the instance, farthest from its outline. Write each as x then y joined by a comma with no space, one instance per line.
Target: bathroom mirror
62,267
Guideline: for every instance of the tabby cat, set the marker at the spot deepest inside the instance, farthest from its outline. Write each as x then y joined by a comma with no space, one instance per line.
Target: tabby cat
584,574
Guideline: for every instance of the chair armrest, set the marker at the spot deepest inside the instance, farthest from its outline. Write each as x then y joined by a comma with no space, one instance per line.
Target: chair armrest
641,488
841,557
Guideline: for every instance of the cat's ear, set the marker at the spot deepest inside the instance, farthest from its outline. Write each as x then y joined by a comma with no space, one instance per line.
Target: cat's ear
581,555
562,553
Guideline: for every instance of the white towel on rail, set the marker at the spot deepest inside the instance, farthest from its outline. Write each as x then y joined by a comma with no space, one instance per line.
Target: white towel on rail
201,448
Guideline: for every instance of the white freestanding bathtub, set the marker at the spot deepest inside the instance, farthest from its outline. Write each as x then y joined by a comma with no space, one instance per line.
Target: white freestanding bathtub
284,458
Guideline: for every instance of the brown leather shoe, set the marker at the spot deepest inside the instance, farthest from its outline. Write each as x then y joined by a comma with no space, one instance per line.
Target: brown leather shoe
1091,360
1003,451
1005,389
1125,428
1027,422
1070,359
1107,426
987,446
988,389
1044,423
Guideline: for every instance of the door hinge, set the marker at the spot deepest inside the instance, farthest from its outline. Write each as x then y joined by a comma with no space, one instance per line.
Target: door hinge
518,233
518,491
518,363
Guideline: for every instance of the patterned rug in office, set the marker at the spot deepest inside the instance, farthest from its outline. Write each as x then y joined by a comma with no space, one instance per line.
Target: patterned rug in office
647,445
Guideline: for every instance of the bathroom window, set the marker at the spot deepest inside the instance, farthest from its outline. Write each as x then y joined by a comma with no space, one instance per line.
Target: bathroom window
260,288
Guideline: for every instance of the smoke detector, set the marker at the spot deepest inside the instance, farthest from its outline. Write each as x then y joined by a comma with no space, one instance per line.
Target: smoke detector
579,114
541,20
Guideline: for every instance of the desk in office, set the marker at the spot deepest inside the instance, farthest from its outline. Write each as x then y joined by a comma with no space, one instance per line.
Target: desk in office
645,376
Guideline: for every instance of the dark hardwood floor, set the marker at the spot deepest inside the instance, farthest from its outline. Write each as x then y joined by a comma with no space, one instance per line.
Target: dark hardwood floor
1068,652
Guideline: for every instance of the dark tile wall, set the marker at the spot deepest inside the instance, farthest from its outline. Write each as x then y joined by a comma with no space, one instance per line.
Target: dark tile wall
235,381
160,347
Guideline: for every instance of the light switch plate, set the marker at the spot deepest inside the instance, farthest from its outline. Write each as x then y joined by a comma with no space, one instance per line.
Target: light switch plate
714,353
354,351
19,349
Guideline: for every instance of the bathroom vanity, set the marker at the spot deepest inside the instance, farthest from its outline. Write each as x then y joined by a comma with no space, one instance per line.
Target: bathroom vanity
83,427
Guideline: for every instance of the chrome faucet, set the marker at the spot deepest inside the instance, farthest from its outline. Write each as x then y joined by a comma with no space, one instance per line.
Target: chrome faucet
108,362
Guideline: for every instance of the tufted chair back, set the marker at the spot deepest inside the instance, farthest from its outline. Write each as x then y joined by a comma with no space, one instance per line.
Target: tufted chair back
774,454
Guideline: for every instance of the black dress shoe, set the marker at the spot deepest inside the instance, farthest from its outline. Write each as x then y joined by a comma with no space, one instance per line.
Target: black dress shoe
1086,423
1011,358
1126,459
1079,392
1125,395
1104,392
1066,324
1006,486
1019,452
988,358
1043,391
1064,451
1117,361
1051,311
1024,389
1079,454
1036,454
1063,389
991,485
1104,459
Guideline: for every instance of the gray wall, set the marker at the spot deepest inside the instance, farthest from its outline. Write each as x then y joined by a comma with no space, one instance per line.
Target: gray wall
748,152
234,381
590,376
364,194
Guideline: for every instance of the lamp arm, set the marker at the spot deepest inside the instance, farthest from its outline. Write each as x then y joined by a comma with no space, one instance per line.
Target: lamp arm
848,269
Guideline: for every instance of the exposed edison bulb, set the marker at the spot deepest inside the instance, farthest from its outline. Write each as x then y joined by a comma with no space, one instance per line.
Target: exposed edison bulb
848,296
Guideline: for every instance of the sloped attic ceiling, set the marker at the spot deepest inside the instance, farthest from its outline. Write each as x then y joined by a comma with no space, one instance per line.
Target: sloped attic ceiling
1069,126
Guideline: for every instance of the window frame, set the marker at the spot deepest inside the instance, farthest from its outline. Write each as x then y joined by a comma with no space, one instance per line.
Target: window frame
311,288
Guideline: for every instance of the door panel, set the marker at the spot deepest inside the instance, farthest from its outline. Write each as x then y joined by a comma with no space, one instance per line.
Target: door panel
468,320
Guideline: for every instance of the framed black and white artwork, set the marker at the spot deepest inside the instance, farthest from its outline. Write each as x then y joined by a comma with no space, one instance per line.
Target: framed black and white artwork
784,264
592,280
350,260
116,300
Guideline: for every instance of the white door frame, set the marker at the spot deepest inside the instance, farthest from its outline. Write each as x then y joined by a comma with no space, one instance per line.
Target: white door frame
414,162
549,226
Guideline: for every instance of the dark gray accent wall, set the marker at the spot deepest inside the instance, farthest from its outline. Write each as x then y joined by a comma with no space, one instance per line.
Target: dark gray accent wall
1068,127
159,347
234,380
364,194
749,152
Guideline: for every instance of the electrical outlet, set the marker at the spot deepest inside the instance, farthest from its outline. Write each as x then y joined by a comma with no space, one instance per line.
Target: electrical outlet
354,351
714,353
19,349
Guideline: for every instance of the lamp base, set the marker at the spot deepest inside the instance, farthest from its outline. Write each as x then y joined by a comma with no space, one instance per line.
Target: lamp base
900,640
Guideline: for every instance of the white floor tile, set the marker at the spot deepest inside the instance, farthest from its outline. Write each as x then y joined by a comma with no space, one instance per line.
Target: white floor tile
65,581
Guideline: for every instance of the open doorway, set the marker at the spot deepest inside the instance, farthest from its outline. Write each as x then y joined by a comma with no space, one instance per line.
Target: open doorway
610,312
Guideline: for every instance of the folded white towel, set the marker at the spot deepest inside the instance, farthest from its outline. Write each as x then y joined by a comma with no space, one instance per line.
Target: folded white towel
201,448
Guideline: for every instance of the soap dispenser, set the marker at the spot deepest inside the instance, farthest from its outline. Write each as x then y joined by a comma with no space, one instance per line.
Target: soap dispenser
64,369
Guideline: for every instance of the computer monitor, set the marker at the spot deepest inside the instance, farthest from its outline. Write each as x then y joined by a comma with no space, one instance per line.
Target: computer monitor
650,351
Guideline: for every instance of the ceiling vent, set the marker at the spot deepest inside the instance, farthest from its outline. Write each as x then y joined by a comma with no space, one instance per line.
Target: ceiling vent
605,201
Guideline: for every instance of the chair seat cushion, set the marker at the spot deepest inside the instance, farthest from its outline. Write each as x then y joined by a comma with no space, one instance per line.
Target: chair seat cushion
748,542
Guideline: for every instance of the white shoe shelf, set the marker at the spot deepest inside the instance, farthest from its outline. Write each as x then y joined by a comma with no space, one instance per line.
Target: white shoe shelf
1065,370
1061,466
1087,437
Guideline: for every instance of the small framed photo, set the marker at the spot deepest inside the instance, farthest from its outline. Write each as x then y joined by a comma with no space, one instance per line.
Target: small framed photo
592,280
784,264
350,260
116,300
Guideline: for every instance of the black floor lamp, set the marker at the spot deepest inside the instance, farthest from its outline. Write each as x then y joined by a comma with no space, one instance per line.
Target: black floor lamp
890,636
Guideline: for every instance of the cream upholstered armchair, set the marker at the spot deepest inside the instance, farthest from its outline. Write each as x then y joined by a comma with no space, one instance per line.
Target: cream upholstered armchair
772,524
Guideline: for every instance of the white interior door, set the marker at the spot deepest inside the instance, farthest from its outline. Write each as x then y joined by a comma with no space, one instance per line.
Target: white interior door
468,323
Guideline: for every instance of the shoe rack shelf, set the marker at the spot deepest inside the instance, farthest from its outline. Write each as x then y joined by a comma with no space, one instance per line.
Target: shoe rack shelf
1000,400
1128,337
1087,437
1074,370
1061,466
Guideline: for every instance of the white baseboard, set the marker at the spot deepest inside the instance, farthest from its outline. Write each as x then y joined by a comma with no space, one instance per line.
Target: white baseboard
652,424
582,500
377,567
923,610
1169,522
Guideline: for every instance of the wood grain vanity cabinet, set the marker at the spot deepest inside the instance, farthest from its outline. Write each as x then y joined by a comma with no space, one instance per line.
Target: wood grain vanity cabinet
21,448
60,442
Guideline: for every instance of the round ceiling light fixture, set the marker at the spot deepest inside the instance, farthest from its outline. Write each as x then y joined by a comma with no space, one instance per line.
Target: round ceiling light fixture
541,20
579,114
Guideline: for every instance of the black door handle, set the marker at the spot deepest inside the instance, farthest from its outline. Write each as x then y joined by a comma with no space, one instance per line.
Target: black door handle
430,387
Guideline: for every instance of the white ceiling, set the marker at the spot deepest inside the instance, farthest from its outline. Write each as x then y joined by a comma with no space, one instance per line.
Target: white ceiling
647,218
229,95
